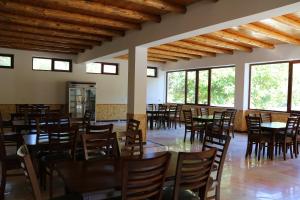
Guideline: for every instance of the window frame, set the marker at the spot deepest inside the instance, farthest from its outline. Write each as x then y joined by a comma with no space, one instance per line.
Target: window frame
197,86
102,68
11,56
52,64
289,89
155,72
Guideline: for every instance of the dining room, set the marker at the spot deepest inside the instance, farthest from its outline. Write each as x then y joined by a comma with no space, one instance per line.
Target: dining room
157,99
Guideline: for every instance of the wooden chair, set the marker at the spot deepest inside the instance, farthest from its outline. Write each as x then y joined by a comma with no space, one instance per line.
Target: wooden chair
192,174
162,116
286,139
203,111
100,146
144,178
221,144
256,136
216,126
226,122
100,129
231,129
133,143
265,117
295,114
132,125
191,126
30,174
172,121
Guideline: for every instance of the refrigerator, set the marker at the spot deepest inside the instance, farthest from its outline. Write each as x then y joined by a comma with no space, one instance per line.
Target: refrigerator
81,96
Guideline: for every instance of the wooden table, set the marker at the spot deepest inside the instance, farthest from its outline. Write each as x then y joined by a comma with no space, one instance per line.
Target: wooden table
273,128
204,118
152,114
90,176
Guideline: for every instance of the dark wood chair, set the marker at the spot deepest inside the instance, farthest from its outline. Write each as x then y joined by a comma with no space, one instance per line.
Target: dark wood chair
162,116
133,143
132,125
221,144
192,175
100,129
203,111
30,174
226,122
265,117
100,146
144,178
295,113
216,126
232,124
256,136
285,140
191,126
172,121
296,139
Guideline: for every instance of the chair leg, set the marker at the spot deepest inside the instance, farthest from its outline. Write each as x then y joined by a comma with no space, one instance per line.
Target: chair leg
184,135
218,191
259,151
291,150
284,151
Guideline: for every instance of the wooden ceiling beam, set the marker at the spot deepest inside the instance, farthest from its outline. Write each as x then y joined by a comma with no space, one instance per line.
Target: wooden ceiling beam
219,43
161,58
6,17
36,48
155,59
166,56
95,8
169,47
271,32
160,5
22,40
58,15
170,53
237,37
51,32
286,19
193,46
190,43
85,43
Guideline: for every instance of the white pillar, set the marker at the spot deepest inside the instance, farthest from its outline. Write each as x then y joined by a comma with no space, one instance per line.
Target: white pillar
137,86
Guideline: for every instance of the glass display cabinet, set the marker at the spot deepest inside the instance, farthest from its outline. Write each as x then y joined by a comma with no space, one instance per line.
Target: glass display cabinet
81,97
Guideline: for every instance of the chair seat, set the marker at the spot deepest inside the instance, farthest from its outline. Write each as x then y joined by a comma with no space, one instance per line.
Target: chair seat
183,194
68,197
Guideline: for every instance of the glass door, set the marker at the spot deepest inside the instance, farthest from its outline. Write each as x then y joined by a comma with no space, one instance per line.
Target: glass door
76,100
90,100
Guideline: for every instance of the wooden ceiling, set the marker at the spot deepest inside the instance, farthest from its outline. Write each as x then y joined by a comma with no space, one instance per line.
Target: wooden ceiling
71,26
262,34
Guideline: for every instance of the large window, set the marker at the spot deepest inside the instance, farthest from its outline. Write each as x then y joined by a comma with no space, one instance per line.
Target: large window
275,86
215,86
102,68
51,64
6,61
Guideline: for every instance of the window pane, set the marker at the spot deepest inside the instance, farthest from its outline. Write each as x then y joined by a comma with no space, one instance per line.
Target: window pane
269,86
296,87
110,69
203,87
191,90
93,68
62,65
151,72
6,61
223,86
176,87
41,64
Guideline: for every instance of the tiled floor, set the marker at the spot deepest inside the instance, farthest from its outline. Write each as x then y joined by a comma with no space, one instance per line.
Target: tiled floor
242,179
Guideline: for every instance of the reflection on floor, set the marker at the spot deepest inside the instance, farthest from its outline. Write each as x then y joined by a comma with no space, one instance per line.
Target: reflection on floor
242,179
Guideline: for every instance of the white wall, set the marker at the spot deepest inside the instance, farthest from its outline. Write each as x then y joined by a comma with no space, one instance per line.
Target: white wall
22,85
241,60
156,88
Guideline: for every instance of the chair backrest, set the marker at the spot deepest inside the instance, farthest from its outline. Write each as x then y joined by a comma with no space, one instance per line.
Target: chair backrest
188,117
234,111
178,110
144,178
101,129
295,114
62,139
291,126
221,143
265,117
162,107
172,111
253,125
203,111
133,142
55,119
133,125
100,146
193,172
226,118
88,115
150,107
26,164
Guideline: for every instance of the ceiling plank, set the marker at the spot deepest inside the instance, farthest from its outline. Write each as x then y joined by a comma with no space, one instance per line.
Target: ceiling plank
23,40
6,17
160,5
190,43
237,37
36,48
125,57
220,43
170,53
193,46
95,8
58,15
151,58
51,32
166,56
169,47
48,38
161,58
271,32
288,21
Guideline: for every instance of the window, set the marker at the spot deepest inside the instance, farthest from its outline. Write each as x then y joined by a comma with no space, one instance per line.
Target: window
176,87
296,87
6,61
152,71
102,68
215,86
222,87
51,64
